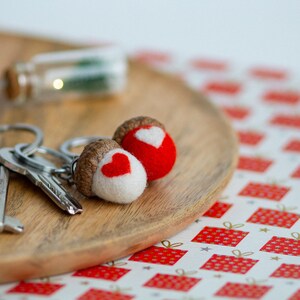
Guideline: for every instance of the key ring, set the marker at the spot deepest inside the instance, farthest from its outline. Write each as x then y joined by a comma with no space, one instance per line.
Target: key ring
66,147
39,136
40,165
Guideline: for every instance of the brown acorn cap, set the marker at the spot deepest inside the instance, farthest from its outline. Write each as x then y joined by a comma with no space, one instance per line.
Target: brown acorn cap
87,163
133,123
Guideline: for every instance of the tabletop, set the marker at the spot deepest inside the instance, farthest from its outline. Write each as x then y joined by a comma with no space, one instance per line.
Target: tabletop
247,245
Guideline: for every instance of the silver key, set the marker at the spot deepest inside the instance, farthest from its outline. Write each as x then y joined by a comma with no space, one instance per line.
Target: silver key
7,223
43,179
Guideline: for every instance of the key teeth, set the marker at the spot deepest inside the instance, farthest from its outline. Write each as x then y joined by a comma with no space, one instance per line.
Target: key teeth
67,202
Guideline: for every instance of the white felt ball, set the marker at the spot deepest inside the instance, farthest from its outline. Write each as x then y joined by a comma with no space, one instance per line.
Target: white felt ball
119,177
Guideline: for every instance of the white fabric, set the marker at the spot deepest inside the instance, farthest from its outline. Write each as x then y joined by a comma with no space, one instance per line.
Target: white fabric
120,189
153,136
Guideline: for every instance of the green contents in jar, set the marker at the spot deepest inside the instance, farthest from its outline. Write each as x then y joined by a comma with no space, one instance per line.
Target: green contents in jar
88,75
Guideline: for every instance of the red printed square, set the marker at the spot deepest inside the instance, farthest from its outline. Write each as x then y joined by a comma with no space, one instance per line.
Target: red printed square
254,164
219,236
293,146
281,245
152,57
283,97
223,87
296,173
166,255
102,272
43,289
217,210
233,264
268,74
264,191
244,291
96,294
209,65
287,271
236,113
172,282
295,296
274,218
250,138
292,121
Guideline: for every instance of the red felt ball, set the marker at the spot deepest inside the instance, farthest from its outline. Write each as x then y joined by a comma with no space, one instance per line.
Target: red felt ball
153,147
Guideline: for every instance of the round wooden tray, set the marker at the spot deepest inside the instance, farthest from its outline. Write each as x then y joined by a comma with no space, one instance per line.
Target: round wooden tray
54,242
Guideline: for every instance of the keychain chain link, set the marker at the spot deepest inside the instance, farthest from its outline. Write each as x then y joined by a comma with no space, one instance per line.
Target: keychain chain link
66,172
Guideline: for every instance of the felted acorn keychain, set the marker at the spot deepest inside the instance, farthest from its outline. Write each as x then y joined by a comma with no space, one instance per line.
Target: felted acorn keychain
106,170
147,139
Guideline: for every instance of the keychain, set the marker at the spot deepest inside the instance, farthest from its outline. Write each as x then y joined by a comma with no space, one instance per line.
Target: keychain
145,139
106,170
103,169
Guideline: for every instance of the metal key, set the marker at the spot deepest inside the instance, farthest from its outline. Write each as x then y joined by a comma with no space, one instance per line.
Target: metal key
43,179
7,223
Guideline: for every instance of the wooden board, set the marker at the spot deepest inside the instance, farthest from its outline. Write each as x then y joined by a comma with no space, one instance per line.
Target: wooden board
54,242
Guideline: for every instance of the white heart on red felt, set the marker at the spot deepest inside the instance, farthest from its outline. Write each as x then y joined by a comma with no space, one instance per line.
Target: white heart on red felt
153,136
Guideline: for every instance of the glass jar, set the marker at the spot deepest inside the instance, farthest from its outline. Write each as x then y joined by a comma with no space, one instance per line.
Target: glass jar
48,76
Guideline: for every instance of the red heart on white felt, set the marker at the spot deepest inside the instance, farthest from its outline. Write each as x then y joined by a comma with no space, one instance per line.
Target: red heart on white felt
119,166
153,136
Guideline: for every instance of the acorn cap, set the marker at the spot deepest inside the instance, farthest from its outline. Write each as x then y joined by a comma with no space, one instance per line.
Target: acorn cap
87,164
133,123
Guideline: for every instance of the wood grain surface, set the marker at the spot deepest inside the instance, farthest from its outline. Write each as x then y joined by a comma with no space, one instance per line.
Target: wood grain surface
54,242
